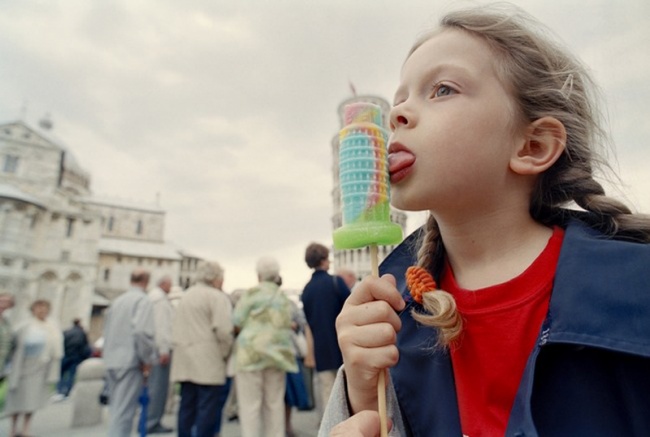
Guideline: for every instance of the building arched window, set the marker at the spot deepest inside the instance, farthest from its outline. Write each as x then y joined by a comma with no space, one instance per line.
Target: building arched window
138,229
111,222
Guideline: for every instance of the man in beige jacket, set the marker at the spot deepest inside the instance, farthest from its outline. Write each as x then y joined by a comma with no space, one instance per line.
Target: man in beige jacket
202,338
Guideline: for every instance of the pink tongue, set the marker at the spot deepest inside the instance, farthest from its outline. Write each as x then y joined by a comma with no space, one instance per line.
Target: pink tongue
399,160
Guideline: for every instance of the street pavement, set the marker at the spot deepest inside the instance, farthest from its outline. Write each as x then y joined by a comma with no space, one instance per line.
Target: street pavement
55,420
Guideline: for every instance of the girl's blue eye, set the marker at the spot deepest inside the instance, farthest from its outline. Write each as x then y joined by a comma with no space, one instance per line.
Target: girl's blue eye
442,90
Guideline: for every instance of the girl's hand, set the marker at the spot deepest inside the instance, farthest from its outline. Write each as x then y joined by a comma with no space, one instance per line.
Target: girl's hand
367,329
363,424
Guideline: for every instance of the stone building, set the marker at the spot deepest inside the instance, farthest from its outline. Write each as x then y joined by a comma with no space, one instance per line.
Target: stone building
357,260
59,242
48,235
132,235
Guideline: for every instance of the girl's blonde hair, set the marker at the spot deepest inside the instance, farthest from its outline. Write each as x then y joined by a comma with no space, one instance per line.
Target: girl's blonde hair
544,79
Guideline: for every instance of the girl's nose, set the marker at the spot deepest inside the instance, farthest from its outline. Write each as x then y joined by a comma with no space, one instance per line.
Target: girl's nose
398,117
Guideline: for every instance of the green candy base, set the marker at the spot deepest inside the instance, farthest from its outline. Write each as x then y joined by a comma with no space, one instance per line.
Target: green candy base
356,235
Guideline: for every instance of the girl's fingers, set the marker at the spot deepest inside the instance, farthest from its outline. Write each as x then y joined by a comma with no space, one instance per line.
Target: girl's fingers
363,424
371,289
366,330
367,314
369,336
372,360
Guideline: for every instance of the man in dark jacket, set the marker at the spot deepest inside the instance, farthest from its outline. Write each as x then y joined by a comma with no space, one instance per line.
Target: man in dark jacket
76,349
322,299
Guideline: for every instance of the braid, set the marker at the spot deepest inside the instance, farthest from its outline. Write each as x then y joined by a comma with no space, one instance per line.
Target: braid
572,180
607,214
440,305
427,251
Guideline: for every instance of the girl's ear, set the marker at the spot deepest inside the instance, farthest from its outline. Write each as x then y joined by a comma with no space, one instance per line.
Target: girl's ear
543,144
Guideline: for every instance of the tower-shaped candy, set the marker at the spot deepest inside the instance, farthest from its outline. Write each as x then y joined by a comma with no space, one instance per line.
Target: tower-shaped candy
364,180
365,194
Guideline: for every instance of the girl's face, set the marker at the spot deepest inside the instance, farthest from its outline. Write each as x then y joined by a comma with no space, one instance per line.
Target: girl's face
453,129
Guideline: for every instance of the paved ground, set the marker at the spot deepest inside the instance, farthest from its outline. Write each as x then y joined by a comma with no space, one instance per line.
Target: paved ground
55,419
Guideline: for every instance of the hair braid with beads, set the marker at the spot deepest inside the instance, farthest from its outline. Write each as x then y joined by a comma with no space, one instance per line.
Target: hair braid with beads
440,306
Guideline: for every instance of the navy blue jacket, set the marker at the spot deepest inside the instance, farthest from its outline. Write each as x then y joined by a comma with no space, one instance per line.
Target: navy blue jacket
589,373
322,299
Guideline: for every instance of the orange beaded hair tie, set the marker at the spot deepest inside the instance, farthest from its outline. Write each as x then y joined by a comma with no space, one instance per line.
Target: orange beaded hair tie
419,281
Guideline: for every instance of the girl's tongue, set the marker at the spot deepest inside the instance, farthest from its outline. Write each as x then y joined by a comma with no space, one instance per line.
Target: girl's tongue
400,160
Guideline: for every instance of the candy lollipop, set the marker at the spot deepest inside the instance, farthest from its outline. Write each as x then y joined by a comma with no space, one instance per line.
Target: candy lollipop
365,194
364,180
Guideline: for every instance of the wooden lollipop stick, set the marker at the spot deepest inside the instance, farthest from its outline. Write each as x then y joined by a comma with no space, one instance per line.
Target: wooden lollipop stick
381,403
381,383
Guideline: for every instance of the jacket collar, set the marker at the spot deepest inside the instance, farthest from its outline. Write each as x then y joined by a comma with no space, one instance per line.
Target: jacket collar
601,297
614,274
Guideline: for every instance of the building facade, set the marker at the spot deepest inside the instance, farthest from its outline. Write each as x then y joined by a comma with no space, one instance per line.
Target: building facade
48,236
60,243
358,260
132,236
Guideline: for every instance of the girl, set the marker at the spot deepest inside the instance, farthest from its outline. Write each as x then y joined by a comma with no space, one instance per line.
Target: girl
544,324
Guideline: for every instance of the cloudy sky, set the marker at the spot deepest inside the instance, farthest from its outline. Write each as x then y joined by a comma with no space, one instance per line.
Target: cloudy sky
227,108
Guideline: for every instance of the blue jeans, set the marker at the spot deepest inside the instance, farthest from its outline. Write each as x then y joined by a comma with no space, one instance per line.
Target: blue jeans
68,371
223,397
200,409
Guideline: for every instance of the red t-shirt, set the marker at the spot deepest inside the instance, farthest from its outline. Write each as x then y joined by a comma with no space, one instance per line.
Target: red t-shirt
500,326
